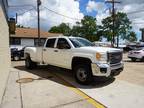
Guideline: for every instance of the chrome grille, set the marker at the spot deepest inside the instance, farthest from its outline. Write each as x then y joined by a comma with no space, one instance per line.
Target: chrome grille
114,57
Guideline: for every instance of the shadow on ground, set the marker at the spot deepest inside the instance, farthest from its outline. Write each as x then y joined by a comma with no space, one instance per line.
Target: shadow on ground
50,73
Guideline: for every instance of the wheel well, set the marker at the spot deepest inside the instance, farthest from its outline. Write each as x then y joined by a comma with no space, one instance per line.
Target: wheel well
80,60
26,55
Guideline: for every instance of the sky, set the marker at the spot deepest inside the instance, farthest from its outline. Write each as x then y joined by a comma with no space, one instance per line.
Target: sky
54,12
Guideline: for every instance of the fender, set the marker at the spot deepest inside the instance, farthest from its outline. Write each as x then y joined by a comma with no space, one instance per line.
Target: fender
31,51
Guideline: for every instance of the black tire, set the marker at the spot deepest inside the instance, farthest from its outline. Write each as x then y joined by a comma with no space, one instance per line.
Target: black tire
133,59
83,74
29,64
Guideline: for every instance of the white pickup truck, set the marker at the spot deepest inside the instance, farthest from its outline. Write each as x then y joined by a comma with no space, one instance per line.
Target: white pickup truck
77,54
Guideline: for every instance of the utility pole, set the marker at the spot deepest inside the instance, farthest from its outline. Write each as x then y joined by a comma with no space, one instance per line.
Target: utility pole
113,16
38,20
142,34
16,17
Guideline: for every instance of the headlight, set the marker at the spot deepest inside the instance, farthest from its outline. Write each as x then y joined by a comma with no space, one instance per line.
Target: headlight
101,57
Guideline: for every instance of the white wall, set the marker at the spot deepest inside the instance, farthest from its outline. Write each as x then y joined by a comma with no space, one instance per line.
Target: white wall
27,42
4,52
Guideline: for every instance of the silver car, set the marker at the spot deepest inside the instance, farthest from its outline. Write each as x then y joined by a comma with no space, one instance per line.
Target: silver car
137,54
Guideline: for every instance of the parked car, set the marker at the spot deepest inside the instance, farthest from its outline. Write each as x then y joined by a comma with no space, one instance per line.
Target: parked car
17,52
77,54
129,47
137,54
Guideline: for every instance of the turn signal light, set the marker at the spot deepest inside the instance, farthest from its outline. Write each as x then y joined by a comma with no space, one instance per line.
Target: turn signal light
98,56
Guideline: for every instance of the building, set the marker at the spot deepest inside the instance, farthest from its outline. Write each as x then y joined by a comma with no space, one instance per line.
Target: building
29,37
4,47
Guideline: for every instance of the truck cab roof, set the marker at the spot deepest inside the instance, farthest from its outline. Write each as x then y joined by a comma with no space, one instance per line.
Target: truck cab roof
61,36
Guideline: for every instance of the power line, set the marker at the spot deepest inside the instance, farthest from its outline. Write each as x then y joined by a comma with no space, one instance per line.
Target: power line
21,13
26,11
21,6
61,14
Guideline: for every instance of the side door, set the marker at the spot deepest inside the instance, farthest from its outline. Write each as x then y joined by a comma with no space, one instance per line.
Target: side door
63,53
48,51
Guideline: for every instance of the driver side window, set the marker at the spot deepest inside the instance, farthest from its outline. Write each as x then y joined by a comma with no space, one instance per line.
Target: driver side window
63,44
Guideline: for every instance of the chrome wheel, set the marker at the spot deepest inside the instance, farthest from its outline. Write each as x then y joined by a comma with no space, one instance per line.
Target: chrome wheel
81,74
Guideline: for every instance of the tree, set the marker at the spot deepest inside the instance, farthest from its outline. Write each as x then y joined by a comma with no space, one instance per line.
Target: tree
76,30
121,28
132,36
54,29
86,28
62,28
100,32
89,28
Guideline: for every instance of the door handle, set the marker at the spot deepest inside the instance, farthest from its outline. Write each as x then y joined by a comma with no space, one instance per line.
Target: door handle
55,50
44,49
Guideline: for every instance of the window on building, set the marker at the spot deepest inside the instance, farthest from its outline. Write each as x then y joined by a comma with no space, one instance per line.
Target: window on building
15,41
42,41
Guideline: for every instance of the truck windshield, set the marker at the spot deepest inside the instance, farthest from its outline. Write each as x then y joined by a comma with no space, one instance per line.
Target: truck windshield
80,42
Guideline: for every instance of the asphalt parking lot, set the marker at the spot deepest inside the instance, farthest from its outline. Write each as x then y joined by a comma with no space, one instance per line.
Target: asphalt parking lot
52,87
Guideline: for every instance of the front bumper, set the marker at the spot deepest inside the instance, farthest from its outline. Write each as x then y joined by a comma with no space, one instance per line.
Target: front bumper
100,69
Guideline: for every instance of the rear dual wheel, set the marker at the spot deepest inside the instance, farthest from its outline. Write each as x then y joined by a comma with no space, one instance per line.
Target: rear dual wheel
29,64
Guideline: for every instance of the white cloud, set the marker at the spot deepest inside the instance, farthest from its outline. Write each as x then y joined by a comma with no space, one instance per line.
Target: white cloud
100,8
66,7
95,6
135,12
101,16
124,2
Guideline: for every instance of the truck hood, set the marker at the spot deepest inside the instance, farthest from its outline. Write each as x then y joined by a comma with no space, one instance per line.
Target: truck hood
101,49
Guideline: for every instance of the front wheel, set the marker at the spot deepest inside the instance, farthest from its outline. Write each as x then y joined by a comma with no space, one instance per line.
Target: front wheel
29,64
83,74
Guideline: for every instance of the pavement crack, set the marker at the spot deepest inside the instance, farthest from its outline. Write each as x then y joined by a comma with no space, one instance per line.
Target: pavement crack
69,103
20,91
5,89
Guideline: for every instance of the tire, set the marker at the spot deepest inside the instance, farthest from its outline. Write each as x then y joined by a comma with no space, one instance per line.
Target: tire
29,64
83,74
133,59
